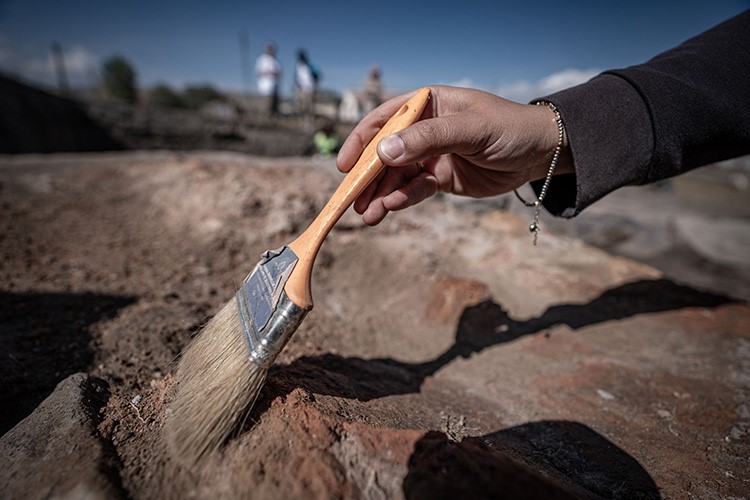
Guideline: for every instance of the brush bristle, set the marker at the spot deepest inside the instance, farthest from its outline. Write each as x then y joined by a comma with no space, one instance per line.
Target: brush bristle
217,385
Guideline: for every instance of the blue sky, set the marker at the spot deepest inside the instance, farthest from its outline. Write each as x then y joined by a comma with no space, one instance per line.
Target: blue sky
513,48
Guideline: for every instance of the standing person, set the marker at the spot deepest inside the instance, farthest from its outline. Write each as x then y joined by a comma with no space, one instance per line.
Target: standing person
305,85
373,90
268,74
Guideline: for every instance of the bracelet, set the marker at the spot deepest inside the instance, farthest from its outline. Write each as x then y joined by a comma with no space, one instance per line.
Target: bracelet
534,226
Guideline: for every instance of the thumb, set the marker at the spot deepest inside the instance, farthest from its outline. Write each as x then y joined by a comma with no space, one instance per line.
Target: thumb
429,138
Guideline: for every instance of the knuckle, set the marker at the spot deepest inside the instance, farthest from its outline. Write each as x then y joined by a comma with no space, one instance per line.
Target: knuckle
437,131
440,136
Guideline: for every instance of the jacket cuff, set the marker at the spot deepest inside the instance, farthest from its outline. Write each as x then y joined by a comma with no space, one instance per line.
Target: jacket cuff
611,139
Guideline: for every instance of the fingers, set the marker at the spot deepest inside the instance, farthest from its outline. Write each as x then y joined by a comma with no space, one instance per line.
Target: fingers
393,179
399,188
430,138
363,200
455,122
365,130
417,190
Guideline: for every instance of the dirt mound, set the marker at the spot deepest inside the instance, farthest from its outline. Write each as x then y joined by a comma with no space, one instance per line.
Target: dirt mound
34,121
445,356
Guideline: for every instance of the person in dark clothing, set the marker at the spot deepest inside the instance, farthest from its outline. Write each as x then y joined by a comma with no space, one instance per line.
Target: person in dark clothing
685,108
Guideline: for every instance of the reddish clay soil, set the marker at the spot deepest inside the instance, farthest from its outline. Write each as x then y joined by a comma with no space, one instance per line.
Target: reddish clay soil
446,357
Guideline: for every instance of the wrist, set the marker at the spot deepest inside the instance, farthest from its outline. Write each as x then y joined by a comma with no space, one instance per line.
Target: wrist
559,141
546,122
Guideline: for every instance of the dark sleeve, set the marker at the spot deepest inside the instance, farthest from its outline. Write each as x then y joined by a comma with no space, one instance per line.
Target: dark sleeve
685,108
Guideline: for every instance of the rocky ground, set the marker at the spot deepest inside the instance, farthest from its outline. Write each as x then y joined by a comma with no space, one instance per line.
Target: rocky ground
445,356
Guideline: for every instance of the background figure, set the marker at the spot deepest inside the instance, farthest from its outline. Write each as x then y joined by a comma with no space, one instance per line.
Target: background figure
326,140
305,83
268,73
373,90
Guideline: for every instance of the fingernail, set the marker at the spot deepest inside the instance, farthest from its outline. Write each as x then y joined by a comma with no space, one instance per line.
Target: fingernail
391,147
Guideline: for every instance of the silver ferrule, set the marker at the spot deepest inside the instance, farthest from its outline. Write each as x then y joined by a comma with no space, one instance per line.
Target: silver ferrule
266,345
267,315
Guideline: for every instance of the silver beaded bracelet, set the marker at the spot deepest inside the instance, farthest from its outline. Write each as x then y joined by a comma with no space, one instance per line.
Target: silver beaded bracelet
537,205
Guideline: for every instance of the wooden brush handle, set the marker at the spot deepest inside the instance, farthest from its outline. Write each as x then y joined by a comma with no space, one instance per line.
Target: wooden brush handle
366,170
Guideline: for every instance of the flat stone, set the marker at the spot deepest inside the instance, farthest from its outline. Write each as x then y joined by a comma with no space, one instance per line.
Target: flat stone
451,295
725,241
56,451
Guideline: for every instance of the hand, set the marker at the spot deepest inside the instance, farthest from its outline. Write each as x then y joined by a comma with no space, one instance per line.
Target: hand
468,142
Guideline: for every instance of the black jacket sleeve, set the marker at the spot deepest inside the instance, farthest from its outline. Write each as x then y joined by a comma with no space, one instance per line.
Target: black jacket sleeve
685,108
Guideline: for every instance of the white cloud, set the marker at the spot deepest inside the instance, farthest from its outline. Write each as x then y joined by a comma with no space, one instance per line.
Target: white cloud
566,78
465,82
81,65
524,90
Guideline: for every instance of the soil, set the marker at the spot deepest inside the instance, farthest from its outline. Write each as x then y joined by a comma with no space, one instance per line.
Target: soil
445,356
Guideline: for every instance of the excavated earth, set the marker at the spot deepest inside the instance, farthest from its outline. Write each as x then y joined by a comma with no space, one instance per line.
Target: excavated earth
446,357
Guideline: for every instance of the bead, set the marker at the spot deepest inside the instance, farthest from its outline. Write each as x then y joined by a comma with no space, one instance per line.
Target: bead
534,226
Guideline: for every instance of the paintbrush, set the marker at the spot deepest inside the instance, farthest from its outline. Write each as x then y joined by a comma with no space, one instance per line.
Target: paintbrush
221,373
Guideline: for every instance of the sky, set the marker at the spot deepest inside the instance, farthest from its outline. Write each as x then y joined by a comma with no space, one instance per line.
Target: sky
519,49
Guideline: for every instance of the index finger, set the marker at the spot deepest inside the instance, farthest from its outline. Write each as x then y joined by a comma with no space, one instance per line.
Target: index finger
366,130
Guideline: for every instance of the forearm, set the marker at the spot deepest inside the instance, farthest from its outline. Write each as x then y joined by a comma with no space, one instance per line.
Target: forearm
610,141
685,108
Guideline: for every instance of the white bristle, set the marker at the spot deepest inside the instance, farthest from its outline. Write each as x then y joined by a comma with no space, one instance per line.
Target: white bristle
217,385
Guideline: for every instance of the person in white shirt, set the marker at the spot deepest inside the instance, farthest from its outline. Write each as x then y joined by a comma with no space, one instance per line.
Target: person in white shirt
268,74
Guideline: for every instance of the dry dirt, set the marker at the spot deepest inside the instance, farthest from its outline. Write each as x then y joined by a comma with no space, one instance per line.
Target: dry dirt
446,357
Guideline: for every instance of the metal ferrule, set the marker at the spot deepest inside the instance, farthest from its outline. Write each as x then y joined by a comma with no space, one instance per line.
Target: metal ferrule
268,343
267,315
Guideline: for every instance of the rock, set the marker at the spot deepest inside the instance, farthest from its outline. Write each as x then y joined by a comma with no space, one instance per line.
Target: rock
724,241
56,451
451,295
471,469
34,121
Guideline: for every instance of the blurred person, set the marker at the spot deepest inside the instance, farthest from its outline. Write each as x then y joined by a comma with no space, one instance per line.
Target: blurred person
684,108
268,74
305,85
326,140
373,90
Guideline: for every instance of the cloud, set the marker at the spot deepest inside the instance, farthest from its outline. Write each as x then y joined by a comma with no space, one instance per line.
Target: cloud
566,78
524,90
81,65
465,82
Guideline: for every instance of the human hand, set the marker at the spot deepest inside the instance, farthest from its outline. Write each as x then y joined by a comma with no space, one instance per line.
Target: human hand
468,142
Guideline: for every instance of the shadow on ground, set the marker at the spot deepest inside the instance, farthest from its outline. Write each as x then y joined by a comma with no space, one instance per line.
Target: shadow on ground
573,453
44,337
547,459
485,325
